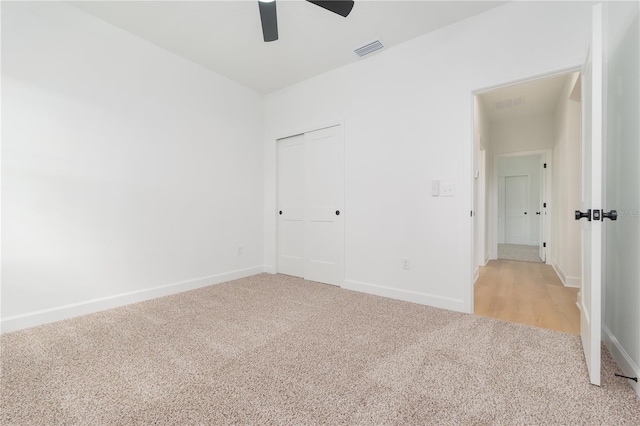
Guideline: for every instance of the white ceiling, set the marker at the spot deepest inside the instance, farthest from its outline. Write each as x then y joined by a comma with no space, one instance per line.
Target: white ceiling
226,36
538,97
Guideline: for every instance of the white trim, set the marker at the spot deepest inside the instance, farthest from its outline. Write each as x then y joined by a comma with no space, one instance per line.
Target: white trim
566,71
476,274
546,193
625,362
301,130
559,272
567,281
573,282
35,318
407,295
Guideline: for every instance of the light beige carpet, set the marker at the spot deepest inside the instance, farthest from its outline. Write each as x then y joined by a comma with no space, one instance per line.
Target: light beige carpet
272,349
519,252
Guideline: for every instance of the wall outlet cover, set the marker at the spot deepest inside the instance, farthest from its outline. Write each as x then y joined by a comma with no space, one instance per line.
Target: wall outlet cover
406,263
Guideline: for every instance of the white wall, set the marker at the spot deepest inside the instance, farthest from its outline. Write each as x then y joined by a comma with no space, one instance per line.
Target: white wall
622,251
526,134
526,165
124,168
408,114
565,245
481,142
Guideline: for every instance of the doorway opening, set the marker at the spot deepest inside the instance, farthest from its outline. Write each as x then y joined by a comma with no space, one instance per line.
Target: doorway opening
523,217
526,244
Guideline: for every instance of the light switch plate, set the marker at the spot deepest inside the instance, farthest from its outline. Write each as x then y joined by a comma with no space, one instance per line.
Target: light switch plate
435,188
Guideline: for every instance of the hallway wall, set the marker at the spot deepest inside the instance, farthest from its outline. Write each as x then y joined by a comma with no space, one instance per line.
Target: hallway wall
565,247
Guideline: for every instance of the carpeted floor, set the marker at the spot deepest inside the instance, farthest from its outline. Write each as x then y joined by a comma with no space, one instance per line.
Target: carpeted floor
272,349
519,252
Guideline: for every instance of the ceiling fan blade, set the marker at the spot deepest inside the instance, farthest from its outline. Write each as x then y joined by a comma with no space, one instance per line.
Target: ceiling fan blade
342,8
269,20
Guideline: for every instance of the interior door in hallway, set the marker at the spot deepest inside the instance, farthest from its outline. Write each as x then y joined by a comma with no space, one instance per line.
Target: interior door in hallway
516,196
310,203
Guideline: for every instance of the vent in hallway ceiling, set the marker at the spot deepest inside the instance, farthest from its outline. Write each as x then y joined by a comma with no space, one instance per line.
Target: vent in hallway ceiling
509,103
369,48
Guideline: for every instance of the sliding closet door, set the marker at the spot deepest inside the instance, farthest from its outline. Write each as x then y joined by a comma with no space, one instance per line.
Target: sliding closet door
324,189
310,206
291,206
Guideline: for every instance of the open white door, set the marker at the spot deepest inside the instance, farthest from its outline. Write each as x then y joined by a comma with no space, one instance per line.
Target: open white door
589,298
542,211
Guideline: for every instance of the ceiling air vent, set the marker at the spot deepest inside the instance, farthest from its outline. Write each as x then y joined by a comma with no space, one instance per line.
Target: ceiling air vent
509,103
369,48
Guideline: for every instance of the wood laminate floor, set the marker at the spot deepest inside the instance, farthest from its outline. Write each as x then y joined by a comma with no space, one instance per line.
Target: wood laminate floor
527,293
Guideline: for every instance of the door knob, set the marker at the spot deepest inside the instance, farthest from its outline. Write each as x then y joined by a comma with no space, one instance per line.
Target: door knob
613,215
525,212
337,212
580,215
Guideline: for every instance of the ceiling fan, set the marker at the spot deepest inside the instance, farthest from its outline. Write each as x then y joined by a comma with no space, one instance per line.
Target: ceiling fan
270,19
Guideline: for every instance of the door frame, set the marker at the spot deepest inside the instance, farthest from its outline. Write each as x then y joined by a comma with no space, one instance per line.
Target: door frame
473,268
546,194
274,198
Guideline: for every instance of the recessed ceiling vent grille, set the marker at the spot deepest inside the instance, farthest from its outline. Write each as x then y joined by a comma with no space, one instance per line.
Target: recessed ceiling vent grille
509,103
369,48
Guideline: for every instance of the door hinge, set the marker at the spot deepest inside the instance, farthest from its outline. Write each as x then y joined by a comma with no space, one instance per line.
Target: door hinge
544,165
544,244
471,213
544,205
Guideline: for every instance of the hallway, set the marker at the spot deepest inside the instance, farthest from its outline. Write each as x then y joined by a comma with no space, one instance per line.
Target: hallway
527,293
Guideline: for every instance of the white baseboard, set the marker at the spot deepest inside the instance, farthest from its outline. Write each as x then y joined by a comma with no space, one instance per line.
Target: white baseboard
476,275
407,295
572,282
626,364
567,281
559,272
32,319
270,269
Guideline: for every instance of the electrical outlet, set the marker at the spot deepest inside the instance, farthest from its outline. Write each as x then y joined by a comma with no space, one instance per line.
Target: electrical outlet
406,264
240,251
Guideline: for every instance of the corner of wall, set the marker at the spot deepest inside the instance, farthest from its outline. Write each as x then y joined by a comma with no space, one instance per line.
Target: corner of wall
622,358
